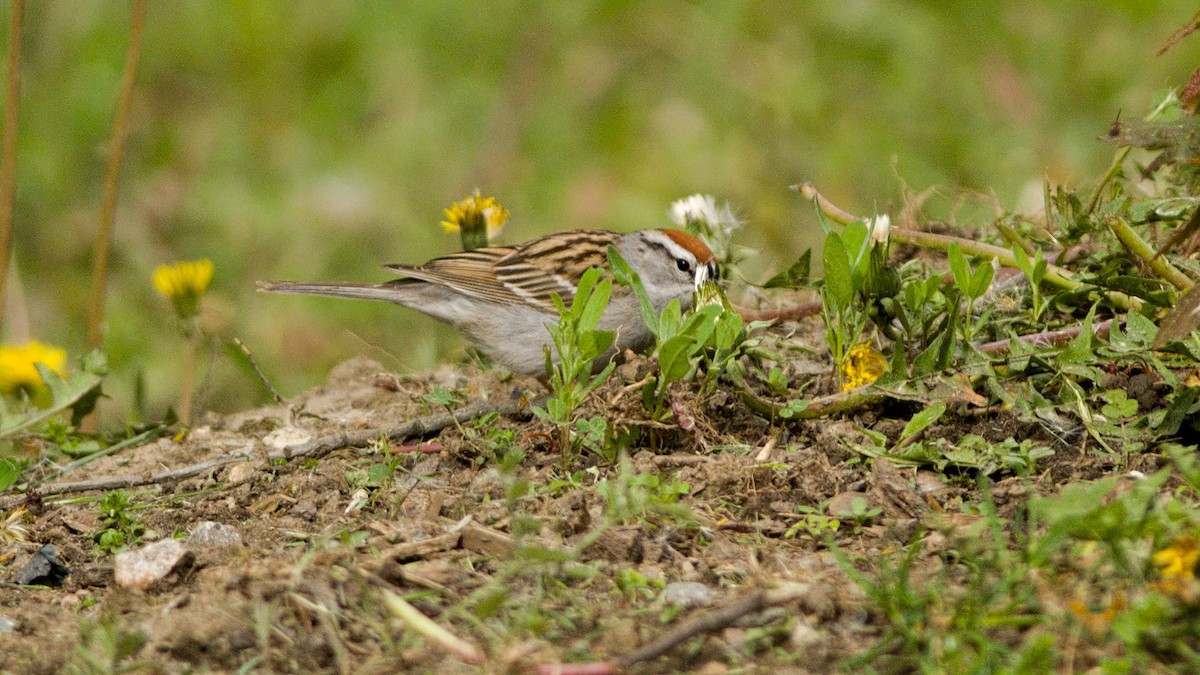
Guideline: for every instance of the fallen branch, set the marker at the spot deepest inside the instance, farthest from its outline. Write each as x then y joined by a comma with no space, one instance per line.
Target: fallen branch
317,447
800,311
821,406
1052,338
705,623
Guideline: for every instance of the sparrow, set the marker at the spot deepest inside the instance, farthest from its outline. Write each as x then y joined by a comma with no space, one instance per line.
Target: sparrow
499,297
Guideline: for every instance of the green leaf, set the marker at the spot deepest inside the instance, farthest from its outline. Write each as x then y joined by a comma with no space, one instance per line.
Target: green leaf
729,329
596,300
981,279
960,269
10,471
625,276
923,419
837,273
1079,350
670,322
795,276
64,394
673,358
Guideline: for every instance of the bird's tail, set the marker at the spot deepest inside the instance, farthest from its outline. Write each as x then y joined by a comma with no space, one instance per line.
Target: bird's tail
335,289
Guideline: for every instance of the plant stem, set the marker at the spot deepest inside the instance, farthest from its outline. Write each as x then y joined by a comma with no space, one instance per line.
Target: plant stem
8,178
187,378
103,247
1056,275
1140,248
1113,168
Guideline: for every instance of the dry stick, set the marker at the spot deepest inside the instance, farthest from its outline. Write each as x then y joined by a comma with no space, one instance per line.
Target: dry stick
8,178
706,623
1051,338
783,314
112,177
433,631
316,447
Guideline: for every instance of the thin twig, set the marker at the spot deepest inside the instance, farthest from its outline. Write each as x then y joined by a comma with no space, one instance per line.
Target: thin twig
8,177
258,371
821,406
112,449
108,207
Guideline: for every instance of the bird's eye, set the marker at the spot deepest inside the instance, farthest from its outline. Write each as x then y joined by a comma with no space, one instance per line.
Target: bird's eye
683,265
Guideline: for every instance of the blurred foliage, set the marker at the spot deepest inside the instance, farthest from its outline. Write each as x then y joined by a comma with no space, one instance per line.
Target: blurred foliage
318,140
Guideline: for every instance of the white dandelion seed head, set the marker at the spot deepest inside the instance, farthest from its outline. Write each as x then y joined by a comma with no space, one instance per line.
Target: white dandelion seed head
698,207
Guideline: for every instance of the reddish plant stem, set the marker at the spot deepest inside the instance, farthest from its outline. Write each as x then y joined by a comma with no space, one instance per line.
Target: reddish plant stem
1053,338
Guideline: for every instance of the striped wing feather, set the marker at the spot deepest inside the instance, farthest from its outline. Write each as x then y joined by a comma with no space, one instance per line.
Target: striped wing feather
528,274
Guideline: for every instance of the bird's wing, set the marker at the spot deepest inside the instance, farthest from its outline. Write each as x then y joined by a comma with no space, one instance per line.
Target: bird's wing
553,265
528,274
471,273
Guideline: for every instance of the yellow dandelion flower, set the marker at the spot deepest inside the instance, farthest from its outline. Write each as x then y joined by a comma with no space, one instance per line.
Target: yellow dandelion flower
1193,379
1178,561
17,369
184,283
477,219
1178,575
863,365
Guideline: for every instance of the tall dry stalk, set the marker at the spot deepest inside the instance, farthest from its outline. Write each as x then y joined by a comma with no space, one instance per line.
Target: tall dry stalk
8,178
108,208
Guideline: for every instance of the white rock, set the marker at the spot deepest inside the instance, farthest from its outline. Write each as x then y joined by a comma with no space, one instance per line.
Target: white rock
285,437
141,568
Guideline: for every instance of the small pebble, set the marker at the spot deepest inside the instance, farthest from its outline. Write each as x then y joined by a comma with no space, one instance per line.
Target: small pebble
43,569
209,534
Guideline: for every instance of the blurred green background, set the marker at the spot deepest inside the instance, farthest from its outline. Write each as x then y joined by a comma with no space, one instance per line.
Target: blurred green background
318,140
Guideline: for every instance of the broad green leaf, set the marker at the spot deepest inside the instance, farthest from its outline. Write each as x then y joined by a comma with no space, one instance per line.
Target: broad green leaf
960,269
673,356
10,471
596,303
981,279
837,273
80,387
670,322
1079,349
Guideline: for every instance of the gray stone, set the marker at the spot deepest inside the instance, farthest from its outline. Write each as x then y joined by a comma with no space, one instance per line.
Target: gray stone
688,594
209,534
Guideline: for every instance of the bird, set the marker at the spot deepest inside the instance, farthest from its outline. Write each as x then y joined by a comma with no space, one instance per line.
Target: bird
501,297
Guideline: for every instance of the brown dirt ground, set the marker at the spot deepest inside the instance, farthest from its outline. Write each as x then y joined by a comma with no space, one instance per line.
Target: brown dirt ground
303,592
